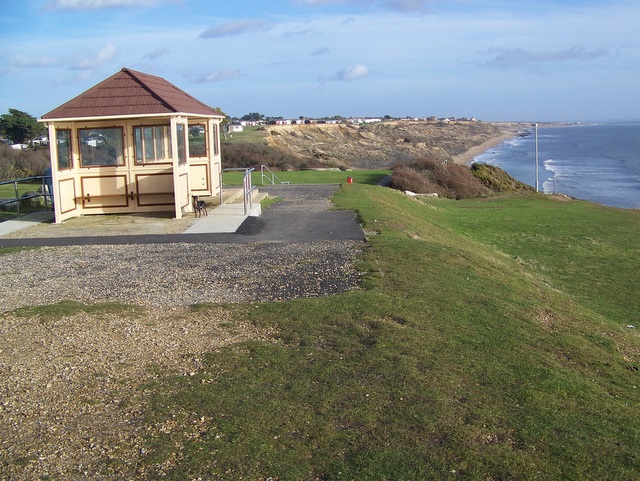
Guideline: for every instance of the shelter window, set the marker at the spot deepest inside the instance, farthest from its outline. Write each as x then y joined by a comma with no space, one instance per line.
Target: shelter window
215,139
152,144
101,147
182,147
63,139
197,141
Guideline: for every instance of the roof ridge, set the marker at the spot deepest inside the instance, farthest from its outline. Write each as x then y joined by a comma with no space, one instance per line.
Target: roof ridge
132,74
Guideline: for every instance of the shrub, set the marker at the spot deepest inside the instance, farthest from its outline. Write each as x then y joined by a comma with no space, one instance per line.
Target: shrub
409,178
428,175
497,179
15,164
254,155
459,181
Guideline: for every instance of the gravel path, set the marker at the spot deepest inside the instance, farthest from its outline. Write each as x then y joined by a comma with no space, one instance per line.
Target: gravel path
159,275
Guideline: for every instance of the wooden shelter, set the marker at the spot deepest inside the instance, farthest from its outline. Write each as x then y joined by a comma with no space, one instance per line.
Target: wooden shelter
132,143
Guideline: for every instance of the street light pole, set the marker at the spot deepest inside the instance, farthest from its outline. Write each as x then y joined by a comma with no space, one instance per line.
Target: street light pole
536,156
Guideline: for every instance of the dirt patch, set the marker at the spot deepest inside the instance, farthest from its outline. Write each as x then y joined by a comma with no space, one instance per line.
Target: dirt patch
73,390
108,225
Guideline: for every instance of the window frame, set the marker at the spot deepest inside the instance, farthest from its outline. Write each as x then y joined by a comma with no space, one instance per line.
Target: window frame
183,144
216,138
120,156
69,149
166,144
204,141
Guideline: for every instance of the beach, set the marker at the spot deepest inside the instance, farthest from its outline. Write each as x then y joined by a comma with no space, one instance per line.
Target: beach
467,157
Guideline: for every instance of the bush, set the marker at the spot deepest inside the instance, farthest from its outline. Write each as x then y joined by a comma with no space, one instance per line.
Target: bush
428,175
15,164
406,177
497,179
254,155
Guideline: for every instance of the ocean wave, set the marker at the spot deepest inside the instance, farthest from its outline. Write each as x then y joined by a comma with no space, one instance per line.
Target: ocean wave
559,170
515,141
488,157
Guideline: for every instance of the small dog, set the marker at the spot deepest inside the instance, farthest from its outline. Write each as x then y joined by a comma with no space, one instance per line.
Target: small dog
199,207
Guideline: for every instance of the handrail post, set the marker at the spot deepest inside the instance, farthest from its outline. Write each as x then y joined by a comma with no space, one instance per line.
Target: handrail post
221,188
44,192
15,189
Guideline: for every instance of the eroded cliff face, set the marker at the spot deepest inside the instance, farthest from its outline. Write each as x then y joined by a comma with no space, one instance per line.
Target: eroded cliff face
380,145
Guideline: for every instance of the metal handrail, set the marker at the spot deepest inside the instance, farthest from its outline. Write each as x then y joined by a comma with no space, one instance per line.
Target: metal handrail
16,200
246,187
273,178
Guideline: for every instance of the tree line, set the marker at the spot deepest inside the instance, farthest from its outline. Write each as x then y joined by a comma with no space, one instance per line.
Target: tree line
20,127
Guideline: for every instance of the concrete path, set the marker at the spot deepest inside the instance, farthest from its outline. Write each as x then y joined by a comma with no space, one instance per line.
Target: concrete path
302,215
224,219
29,220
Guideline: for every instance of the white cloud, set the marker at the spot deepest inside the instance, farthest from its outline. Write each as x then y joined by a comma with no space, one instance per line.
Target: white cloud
26,61
408,6
236,28
84,5
88,62
315,3
321,51
404,6
156,53
214,76
353,72
509,58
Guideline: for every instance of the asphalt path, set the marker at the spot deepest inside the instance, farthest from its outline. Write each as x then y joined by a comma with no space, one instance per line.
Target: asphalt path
302,215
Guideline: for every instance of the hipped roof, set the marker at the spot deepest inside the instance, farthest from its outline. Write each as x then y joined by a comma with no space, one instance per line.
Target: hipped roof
130,93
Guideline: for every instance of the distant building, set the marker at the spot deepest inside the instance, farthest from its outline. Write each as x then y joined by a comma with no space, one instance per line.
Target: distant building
235,127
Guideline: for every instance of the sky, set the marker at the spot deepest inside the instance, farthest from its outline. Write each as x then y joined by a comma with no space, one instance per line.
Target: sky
495,60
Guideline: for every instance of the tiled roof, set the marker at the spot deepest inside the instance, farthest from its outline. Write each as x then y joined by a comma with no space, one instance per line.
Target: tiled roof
129,93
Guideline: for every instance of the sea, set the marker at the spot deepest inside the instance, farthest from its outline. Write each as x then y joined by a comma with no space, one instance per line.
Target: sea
595,162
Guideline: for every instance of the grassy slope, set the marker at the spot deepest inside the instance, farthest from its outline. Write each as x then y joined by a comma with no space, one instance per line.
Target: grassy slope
489,341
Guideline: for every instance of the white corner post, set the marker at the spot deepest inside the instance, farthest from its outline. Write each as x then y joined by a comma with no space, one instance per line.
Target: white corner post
175,159
53,159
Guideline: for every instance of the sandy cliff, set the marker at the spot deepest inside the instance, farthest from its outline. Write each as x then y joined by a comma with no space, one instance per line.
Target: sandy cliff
380,145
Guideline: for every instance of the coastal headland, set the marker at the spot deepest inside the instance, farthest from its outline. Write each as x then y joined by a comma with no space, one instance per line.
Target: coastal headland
383,144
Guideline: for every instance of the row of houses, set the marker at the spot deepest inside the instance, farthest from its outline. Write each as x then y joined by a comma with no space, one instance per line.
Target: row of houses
238,125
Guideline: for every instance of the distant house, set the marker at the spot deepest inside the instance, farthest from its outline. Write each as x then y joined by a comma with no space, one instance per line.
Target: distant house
235,127
132,143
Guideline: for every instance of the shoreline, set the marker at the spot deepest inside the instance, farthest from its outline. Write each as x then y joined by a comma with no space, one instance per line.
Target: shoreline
467,157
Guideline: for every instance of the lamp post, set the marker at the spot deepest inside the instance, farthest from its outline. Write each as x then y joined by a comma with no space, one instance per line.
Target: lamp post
536,124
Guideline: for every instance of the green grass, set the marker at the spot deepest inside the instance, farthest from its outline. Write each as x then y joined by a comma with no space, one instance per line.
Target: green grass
488,341
10,250
70,308
311,177
8,191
